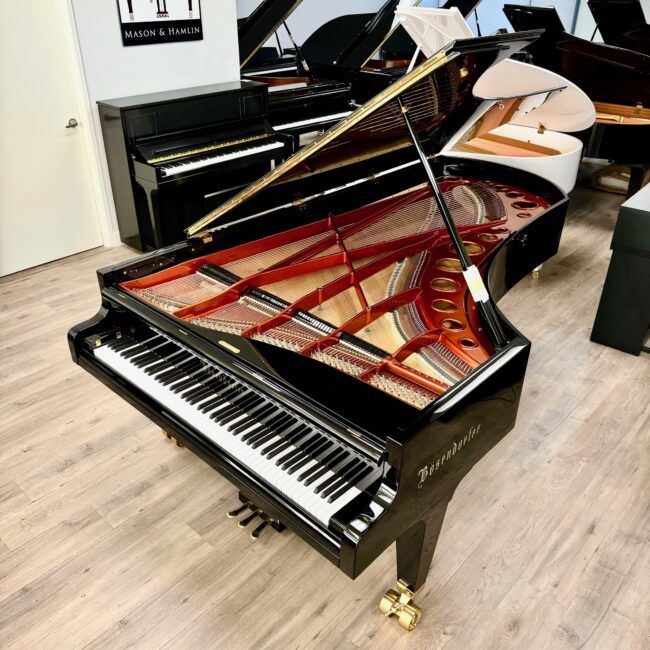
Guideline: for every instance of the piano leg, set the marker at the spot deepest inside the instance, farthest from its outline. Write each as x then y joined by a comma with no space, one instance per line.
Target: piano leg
170,437
415,549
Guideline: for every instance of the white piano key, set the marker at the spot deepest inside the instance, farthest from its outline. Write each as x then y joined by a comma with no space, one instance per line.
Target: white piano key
321,119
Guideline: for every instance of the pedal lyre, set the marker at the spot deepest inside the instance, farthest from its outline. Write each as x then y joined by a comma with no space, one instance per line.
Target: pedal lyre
255,513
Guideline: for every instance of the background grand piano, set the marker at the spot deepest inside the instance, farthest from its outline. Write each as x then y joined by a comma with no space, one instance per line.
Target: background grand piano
615,79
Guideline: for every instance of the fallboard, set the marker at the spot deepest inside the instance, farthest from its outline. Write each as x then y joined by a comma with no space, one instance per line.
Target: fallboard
193,113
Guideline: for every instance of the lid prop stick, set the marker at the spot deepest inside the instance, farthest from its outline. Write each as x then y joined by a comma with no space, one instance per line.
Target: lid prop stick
470,272
301,58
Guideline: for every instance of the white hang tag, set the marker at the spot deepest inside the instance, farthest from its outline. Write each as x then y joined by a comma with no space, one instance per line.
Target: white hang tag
475,284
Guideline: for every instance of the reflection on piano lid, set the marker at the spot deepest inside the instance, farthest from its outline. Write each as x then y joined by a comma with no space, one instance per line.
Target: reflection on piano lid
328,338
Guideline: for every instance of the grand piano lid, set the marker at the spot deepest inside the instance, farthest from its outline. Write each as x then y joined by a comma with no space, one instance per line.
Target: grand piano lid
349,40
260,25
465,7
439,95
561,105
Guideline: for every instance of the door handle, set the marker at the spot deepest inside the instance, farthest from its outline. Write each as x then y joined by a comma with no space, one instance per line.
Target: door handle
72,123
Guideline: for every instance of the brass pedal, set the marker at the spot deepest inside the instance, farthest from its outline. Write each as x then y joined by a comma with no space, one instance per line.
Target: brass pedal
255,513
400,603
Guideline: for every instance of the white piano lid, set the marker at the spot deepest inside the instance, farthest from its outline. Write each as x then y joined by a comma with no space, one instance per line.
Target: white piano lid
554,101
433,29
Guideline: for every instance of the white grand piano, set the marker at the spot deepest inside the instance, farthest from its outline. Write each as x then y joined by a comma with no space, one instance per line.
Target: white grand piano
527,111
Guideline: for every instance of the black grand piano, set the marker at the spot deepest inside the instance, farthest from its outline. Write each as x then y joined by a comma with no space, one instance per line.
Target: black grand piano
328,339
622,23
615,79
300,101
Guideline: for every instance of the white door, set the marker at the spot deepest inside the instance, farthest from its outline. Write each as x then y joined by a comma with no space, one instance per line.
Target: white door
47,208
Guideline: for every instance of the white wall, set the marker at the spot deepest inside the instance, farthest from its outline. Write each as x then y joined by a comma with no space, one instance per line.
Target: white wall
311,14
112,70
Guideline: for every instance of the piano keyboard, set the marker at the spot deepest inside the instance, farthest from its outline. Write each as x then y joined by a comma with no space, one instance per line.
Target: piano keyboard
321,119
197,163
316,471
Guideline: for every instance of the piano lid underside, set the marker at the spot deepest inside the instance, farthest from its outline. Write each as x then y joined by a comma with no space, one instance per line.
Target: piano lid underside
376,293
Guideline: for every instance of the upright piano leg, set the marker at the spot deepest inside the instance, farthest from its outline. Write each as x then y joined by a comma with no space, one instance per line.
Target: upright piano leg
415,549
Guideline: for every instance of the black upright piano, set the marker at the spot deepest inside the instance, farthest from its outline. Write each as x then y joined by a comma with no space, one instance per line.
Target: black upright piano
617,80
328,338
174,155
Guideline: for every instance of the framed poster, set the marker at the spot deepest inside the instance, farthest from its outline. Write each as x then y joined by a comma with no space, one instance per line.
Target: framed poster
145,22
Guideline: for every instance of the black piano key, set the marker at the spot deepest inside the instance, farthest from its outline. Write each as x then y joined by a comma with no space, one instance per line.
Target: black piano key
360,475
197,394
272,421
220,398
280,430
186,382
143,347
310,454
254,436
251,419
254,416
260,440
336,475
168,362
293,452
302,447
307,449
245,407
321,467
235,406
338,457
284,461
121,343
201,380
288,437
342,476
145,359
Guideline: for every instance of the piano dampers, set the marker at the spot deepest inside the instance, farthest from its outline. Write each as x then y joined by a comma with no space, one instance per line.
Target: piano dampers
402,388
236,317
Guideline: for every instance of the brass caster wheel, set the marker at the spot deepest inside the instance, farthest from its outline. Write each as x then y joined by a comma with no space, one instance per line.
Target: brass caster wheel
409,617
387,604
536,272
400,603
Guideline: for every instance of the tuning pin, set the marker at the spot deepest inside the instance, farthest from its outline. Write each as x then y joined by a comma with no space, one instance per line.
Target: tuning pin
258,531
237,511
247,520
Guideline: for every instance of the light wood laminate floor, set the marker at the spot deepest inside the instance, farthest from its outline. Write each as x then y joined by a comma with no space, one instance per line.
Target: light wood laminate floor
111,536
